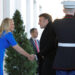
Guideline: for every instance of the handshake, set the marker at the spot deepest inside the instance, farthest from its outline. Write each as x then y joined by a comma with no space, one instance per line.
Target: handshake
32,57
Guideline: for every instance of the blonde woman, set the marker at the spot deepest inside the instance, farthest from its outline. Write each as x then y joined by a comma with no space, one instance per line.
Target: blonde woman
7,39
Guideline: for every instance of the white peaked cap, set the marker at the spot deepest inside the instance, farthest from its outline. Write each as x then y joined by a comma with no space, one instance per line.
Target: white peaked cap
68,4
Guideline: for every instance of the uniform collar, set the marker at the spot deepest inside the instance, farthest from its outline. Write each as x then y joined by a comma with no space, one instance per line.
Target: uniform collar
69,16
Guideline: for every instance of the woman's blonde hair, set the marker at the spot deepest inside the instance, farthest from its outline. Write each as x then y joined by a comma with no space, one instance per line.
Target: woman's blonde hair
5,25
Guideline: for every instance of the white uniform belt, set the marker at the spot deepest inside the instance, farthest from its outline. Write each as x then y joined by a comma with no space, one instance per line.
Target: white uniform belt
66,44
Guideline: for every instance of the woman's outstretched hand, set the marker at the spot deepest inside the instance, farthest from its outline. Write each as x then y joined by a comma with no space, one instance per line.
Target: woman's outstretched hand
31,57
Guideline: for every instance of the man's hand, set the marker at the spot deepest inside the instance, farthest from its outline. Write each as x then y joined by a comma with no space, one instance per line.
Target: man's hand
42,57
36,58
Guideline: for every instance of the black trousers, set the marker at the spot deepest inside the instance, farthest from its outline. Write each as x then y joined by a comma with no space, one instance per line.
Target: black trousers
45,67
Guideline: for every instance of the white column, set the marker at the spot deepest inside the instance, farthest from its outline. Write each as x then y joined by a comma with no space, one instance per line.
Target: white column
6,8
1,11
6,13
12,8
37,11
18,5
23,10
29,16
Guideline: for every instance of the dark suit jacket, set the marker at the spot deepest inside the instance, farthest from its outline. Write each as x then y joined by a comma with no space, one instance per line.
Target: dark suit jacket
48,41
48,49
33,45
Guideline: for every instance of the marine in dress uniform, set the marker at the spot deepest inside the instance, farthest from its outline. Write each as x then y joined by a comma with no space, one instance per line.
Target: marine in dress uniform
64,62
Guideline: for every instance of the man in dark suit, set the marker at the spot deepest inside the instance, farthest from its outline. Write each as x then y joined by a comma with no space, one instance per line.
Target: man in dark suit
64,62
47,45
35,43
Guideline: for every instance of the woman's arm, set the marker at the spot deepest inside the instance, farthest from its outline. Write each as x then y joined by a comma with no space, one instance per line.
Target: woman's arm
23,52
9,36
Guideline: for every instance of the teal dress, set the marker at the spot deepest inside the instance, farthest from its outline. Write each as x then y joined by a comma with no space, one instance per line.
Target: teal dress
6,40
